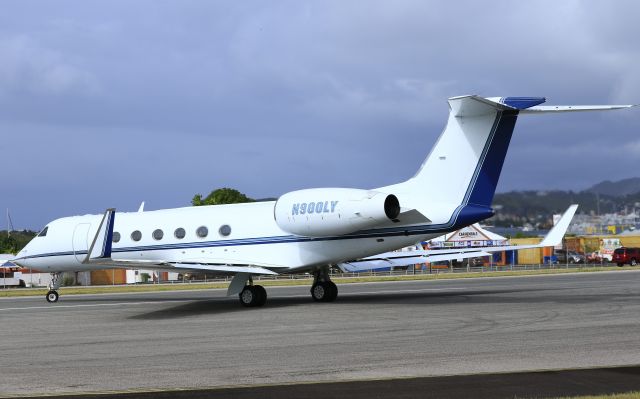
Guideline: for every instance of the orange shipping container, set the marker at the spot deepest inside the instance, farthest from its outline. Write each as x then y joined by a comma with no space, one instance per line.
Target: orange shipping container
108,277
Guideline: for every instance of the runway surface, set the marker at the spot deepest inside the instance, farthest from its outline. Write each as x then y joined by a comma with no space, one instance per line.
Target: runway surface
201,339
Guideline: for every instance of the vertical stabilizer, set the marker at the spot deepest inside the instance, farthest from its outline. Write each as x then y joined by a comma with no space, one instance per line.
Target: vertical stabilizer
460,175
464,165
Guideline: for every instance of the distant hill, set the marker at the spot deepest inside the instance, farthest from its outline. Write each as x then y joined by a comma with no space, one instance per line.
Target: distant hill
517,208
617,189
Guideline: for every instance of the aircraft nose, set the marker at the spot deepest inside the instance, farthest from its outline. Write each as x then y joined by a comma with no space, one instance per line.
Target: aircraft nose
20,261
21,257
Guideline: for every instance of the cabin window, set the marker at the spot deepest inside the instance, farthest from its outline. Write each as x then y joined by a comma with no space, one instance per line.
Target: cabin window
224,230
43,232
116,236
157,234
136,235
179,233
202,231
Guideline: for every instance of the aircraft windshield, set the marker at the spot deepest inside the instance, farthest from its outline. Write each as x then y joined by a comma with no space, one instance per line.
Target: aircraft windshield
43,232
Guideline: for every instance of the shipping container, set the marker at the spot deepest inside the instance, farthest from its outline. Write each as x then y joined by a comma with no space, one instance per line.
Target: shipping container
109,277
528,256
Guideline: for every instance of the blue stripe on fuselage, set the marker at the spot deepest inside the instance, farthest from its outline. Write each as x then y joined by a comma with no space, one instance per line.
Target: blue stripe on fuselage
463,216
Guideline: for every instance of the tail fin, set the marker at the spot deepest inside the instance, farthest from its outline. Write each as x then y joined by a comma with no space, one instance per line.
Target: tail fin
465,163
464,166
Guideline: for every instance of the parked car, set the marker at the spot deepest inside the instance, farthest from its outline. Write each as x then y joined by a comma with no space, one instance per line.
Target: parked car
599,257
573,256
624,255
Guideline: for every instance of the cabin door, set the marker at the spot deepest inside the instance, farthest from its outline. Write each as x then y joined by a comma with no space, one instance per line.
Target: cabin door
81,241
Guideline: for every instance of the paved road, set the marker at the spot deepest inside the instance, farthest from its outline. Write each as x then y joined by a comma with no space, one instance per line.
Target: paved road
383,330
539,384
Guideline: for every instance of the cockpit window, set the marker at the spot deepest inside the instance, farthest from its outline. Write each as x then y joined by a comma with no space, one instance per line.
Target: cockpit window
43,232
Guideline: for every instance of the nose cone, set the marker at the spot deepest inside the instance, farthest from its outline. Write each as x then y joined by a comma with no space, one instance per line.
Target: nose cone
21,258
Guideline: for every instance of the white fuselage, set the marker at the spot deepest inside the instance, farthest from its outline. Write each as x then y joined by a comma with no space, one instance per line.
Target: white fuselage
309,229
254,239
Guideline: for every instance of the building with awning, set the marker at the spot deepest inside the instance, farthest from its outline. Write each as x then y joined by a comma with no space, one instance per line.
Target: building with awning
473,236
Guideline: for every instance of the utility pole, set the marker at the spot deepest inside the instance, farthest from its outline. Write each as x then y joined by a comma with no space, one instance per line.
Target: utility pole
9,224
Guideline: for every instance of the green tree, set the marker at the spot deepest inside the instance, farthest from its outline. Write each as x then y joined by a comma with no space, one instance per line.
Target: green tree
221,196
15,242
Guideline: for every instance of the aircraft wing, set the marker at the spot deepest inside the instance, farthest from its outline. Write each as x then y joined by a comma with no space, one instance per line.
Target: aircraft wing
195,266
405,258
100,254
387,259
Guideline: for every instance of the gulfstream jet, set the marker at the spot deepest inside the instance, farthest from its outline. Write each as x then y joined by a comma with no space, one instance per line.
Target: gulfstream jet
307,230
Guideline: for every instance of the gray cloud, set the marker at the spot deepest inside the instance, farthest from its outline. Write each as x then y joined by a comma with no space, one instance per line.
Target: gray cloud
111,103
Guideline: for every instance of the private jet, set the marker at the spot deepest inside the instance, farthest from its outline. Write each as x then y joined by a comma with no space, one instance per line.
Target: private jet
310,230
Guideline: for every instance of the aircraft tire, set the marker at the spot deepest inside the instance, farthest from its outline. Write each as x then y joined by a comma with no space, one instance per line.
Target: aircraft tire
332,293
52,296
318,292
249,296
620,264
262,295
324,292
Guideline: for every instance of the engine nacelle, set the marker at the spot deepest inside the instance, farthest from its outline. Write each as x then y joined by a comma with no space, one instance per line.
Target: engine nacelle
321,212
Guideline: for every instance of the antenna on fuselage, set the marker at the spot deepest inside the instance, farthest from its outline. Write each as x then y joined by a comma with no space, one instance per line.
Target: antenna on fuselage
141,209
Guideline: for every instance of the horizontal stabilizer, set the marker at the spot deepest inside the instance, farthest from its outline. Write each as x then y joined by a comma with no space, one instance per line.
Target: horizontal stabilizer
531,105
572,108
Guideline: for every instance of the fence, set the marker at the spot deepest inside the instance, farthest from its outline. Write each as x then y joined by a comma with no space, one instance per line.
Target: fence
424,271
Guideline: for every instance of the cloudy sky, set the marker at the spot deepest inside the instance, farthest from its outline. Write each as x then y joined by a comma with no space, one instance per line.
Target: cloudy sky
110,103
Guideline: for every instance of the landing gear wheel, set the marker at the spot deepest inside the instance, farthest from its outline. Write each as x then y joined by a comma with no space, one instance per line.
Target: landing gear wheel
262,295
318,292
333,291
620,264
253,295
325,291
52,296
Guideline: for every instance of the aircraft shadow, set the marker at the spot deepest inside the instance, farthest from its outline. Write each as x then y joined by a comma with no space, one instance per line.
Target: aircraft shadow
499,297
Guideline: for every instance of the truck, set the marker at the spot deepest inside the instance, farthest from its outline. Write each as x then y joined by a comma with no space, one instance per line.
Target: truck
11,277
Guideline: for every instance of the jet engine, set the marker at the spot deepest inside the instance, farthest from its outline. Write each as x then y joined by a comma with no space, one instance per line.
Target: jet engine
322,212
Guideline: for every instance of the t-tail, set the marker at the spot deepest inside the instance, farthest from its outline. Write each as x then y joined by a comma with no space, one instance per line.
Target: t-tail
457,181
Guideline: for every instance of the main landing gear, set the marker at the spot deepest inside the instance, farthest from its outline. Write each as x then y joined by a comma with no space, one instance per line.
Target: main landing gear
54,285
253,295
323,289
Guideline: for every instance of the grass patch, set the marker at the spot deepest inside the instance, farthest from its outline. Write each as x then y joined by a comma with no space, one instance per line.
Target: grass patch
291,282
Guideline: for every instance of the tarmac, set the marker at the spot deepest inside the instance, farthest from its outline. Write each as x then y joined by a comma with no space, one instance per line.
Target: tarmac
415,335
